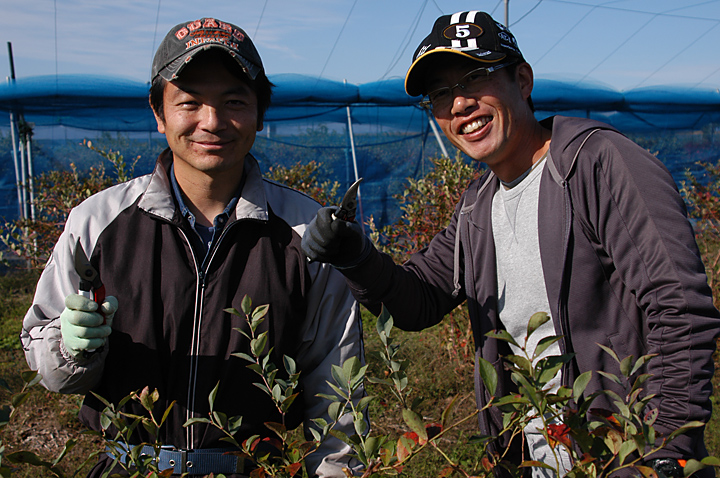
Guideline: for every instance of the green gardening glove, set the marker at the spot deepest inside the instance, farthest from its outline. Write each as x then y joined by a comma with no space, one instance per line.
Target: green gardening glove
85,330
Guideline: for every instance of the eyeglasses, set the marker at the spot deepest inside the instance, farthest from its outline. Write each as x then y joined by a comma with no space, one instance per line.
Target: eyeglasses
441,98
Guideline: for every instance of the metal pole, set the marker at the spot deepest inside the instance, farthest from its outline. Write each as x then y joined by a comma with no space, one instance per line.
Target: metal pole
31,184
14,138
17,166
23,180
507,14
354,157
437,134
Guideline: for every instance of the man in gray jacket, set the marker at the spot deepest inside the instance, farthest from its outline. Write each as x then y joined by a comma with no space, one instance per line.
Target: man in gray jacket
572,219
174,249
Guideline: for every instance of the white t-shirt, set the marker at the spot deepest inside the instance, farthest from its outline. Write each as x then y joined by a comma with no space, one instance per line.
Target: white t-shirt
521,286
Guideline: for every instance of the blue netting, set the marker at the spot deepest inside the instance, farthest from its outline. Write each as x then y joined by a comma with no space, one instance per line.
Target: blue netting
308,120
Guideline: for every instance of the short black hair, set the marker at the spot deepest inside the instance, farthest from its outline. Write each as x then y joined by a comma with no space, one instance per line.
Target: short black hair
261,85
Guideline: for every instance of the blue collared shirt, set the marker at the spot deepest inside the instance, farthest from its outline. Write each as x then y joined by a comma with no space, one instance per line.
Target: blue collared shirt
206,236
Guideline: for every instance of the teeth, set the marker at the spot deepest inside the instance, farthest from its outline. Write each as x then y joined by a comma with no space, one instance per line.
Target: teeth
475,125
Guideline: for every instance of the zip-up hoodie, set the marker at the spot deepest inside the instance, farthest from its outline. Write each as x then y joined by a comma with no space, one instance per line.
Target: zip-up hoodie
171,331
621,268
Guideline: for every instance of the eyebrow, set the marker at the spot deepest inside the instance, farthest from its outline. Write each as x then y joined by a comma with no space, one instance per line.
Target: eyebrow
231,91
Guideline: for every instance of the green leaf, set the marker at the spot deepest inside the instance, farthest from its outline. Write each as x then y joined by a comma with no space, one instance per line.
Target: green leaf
364,402
503,335
244,356
415,422
641,362
400,379
684,429
710,461
277,393
351,367
260,312
290,365
27,457
287,403
693,465
19,398
521,362
29,377
537,319
448,412
279,429
611,377
220,419
338,374
262,387
610,352
580,385
613,440
372,444
626,365
535,464
316,435
246,305
167,412
550,366
544,343
69,445
233,311
257,345
105,421
384,323
194,420
488,374
625,449
334,410
341,436
360,425
213,394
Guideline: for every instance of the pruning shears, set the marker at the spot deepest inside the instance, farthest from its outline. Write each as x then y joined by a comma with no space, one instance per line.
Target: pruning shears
90,284
348,206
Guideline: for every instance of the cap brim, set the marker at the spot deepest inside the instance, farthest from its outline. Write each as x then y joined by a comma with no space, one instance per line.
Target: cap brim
414,79
171,71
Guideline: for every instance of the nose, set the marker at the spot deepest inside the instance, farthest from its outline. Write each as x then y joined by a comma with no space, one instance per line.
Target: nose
462,102
211,118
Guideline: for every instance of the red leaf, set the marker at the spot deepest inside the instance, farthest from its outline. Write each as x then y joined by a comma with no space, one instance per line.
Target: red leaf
293,468
273,442
258,473
252,445
559,433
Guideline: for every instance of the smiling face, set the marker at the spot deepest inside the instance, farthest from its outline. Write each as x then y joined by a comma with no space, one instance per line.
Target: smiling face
494,125
210,119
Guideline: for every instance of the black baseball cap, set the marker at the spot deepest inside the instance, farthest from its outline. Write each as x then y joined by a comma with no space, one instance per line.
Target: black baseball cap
187,39
471,34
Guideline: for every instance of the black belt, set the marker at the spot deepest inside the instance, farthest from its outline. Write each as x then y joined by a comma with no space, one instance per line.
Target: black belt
202,461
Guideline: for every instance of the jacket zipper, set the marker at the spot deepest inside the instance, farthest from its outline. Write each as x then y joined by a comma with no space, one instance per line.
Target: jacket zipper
201,275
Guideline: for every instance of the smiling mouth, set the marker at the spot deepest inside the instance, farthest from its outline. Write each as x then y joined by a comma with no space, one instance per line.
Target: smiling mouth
476,125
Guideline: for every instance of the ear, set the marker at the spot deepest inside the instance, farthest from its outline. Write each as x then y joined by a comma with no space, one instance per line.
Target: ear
525,79
160,122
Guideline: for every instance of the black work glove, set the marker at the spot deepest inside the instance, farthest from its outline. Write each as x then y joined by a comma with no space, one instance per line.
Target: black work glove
337,242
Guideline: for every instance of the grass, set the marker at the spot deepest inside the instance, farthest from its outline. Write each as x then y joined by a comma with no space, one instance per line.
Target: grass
439,370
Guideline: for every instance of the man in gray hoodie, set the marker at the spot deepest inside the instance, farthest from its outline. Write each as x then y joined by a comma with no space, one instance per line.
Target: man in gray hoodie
572,219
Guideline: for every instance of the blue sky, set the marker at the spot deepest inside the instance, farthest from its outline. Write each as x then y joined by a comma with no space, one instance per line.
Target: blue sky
620,43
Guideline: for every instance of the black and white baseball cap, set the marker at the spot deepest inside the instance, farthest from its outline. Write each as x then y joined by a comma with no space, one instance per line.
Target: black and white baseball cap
473,34
187,39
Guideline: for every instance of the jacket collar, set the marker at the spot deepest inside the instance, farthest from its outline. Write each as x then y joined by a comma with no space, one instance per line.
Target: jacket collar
158,198
568,137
